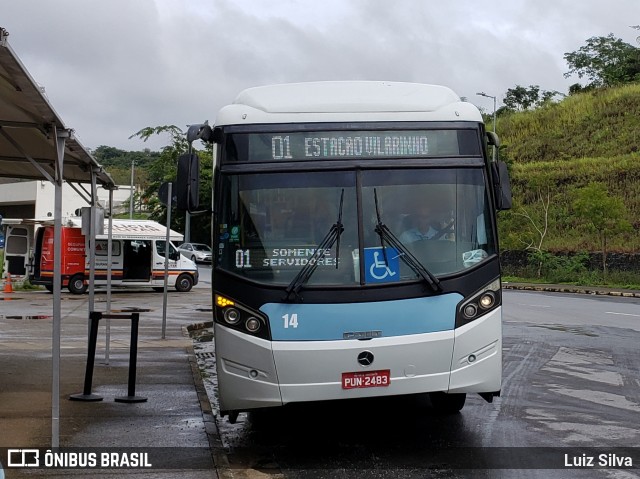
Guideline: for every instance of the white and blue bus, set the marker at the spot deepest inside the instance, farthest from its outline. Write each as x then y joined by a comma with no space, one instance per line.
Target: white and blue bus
356,249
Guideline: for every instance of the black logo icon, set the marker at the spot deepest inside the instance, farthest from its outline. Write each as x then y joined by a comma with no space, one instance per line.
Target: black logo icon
365,358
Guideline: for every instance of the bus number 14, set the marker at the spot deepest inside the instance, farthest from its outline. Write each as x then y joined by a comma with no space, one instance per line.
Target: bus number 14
290,320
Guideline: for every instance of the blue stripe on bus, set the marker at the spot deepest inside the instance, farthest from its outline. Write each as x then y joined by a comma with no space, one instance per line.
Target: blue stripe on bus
325,322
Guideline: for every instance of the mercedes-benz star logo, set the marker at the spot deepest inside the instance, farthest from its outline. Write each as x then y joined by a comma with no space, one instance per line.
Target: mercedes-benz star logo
365,358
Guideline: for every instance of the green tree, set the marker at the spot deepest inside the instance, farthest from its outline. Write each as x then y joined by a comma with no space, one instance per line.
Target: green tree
520,98
164,168
118,164
604,61
604,214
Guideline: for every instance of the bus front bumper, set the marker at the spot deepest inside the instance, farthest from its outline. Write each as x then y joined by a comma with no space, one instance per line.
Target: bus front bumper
255,373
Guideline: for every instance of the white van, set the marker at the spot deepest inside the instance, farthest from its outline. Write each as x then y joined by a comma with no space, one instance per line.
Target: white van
138,249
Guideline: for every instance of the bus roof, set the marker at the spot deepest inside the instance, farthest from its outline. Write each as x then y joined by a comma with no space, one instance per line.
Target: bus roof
336,101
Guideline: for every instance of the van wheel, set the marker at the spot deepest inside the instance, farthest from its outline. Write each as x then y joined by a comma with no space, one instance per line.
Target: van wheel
184,283
447,403
49,287
77,285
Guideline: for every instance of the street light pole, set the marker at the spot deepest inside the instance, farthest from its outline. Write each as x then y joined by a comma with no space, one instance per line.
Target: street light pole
131,196
494,119
494,107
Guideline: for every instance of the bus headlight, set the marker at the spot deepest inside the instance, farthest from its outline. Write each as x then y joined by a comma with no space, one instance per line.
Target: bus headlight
231,315
252,324
479,303
240,317
470,311
487,300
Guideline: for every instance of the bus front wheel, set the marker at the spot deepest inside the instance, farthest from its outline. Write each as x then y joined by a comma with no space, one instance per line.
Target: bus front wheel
184,283
447,403
77,285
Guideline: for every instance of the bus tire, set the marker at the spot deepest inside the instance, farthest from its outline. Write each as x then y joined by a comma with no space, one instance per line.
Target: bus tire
447,403
77,284
49,287
184,283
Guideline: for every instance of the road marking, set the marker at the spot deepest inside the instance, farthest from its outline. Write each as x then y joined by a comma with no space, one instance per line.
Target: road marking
533,305
622,314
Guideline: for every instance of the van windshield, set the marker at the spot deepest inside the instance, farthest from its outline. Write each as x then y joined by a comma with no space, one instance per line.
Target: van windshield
161,248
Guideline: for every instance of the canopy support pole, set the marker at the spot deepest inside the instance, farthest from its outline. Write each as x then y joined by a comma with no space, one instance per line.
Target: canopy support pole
109,267
92,242
59,138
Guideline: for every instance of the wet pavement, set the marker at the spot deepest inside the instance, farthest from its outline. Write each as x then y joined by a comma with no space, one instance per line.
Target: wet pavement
571,369
567,389
174,426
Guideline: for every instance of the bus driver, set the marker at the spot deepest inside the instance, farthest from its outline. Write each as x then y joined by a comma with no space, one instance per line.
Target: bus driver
424,224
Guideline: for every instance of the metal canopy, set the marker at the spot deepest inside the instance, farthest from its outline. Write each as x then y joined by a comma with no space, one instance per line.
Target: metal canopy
35,144
30,127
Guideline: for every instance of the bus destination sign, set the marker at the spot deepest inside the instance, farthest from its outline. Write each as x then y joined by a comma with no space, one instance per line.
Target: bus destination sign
349,145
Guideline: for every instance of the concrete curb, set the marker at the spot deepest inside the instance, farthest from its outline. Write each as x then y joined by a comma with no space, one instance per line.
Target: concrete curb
563,288
223,469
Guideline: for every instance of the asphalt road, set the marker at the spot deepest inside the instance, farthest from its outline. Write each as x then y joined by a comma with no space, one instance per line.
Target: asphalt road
571,383
570,386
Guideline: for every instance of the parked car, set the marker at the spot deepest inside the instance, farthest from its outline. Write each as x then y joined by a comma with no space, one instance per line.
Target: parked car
197,252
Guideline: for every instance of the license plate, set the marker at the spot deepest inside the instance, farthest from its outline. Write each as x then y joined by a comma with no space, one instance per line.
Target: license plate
369,379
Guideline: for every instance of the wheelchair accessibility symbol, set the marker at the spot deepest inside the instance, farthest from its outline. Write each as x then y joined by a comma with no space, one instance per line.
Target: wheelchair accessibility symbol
379,271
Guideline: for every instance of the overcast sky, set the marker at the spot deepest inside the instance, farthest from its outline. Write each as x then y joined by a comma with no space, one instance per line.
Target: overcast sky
112,67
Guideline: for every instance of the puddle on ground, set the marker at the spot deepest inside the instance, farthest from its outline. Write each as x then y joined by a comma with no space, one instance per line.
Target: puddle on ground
132,310
201,335
37,316
567,329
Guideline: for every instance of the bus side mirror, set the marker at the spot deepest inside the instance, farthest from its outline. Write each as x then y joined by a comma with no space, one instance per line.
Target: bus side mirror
501,185
188,182
200,132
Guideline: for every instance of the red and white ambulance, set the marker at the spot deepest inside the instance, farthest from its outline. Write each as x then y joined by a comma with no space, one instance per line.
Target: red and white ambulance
137,257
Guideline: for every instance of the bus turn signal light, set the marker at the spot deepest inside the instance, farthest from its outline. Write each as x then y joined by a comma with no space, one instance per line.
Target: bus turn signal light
223,302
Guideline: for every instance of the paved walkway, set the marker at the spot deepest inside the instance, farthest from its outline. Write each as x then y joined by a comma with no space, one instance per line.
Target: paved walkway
174,426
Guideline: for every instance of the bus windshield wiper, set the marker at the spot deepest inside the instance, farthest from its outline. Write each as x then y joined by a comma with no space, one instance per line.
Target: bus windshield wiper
386,235
331,238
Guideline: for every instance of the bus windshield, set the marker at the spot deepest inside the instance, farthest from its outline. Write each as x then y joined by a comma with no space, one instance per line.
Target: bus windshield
271,224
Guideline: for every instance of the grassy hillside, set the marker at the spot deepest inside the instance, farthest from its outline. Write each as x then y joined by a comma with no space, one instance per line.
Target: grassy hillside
559,148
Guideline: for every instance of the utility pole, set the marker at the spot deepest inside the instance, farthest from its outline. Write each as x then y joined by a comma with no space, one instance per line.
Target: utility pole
494,116
133,162
494,107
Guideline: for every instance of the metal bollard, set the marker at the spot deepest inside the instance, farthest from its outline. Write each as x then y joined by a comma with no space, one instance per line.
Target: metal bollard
133,353
86,395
